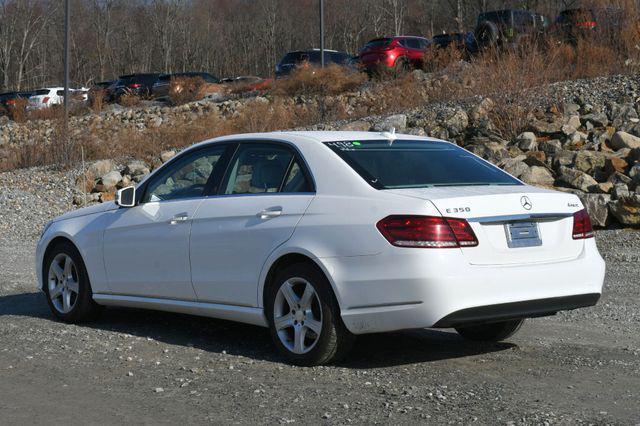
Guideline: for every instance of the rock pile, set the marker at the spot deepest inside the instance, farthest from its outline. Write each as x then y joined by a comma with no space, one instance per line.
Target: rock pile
586,140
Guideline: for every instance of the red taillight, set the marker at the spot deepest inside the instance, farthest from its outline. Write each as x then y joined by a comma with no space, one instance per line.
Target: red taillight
427,232
11,102
45,99
587,24
582,225
135,85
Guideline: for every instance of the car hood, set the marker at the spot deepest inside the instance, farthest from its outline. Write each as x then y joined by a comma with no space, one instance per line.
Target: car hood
97,208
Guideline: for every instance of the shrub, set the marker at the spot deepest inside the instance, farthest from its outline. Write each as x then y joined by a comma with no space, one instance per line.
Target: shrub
129,99
52,112
308,80
183,90
97,98
18,111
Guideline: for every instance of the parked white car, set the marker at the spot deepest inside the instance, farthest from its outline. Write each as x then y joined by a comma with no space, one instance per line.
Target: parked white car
44,98
321,236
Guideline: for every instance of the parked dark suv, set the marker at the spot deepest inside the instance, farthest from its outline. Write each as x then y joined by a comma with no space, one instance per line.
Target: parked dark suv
509,27
574,24
292,60
135,84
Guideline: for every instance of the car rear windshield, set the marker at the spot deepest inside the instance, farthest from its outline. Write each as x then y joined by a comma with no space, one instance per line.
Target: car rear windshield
40,92
417,164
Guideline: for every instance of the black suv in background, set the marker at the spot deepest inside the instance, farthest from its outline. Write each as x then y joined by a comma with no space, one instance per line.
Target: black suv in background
509,27
292,60
135,84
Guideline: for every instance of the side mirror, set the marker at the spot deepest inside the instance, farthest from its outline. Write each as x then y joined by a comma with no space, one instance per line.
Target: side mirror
126,197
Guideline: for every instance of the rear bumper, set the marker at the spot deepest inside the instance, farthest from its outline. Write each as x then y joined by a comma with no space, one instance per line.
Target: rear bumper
516,310
415,288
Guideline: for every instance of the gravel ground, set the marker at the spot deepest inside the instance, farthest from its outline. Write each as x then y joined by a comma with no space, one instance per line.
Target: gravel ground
151,367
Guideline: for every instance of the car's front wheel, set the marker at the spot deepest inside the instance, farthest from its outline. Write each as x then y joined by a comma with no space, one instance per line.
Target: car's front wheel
304,317
66,285
493,332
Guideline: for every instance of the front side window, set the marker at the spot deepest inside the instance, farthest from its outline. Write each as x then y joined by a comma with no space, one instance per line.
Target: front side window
186,177
417,164
264,168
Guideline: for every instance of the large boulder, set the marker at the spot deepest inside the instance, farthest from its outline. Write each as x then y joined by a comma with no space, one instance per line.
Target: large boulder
546,128
614,164
397,122
626,210
101,167
537,175
456,123
514,166
356,126
527,141
536,158
624,140
597,207
550,146
167,155
136,168
572,125
110,180
490,151
597,119
575,179
588,161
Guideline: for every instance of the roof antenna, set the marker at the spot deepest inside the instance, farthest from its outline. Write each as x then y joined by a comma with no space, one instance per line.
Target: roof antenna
390,135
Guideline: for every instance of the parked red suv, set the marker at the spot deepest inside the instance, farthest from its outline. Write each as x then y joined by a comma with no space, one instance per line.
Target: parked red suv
393,54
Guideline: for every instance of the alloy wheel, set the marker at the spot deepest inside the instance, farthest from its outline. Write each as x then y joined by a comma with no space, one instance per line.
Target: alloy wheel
297,315
63,283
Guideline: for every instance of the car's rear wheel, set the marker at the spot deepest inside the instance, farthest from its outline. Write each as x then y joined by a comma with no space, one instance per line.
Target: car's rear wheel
304,317
401,68
493,332
66,285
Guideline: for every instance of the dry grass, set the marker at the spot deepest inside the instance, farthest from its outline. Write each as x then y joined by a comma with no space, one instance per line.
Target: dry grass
183,90
129,100
309,80
97,100
18,111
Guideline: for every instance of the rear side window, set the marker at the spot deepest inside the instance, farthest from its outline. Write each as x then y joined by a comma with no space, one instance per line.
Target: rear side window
41,92
379,42
265,168
417,164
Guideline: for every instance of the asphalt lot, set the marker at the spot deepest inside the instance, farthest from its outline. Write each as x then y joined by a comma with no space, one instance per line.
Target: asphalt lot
148,367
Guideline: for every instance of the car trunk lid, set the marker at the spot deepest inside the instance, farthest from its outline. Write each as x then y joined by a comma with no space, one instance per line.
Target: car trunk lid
514,224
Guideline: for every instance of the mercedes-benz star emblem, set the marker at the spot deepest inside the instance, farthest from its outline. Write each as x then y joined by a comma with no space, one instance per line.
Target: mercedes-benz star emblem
526,202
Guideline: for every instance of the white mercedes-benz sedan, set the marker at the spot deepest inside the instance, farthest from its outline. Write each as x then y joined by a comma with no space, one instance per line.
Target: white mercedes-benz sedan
321,236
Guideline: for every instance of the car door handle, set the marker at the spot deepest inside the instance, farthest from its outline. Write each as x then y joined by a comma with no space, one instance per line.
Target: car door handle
181,217
270,213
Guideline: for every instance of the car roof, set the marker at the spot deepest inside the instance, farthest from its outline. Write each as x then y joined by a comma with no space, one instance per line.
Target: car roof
312,137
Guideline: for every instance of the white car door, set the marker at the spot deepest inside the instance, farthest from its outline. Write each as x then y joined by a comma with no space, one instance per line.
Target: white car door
146,247
265,192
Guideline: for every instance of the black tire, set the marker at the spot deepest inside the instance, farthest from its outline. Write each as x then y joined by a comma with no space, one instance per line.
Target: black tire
401,68
84,309
334,340
493,332
487,34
